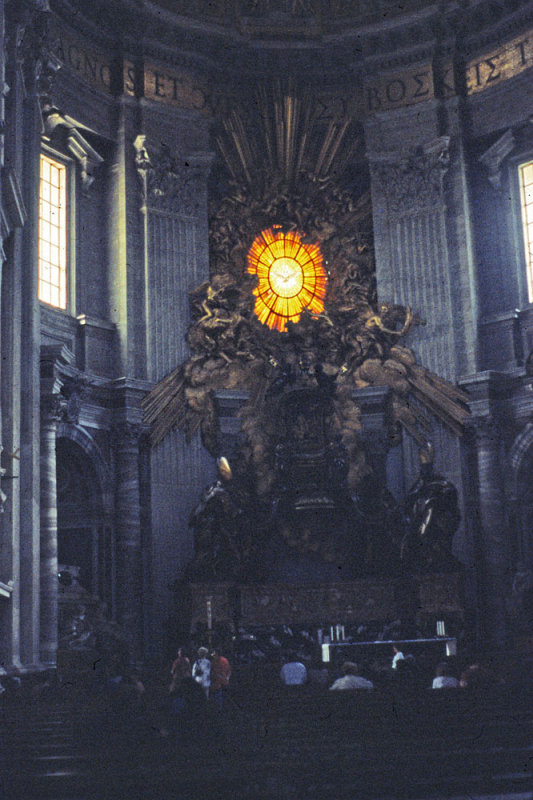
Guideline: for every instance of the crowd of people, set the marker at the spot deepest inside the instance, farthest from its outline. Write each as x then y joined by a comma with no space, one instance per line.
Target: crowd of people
403,672
191,698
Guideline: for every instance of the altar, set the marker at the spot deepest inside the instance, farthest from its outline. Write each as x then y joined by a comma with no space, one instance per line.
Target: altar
424,599
427,649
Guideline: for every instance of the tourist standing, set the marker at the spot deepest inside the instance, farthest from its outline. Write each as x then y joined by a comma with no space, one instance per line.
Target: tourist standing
181,668
220,675
201,670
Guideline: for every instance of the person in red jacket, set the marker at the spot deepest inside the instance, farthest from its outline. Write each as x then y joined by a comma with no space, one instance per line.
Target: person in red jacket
220,675
181,668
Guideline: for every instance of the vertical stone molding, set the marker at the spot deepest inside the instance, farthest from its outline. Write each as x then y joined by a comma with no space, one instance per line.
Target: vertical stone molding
413,262
129,557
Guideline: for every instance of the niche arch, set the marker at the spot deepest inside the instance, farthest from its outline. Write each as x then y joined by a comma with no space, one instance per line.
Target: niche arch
84,512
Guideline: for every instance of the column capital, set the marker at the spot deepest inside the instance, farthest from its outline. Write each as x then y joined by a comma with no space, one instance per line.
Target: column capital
413,180
171,181
53,406
54,360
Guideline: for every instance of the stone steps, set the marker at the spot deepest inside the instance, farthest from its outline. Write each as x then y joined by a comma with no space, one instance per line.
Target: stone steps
51,753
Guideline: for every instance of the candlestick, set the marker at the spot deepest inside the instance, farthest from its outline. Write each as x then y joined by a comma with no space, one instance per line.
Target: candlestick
209,614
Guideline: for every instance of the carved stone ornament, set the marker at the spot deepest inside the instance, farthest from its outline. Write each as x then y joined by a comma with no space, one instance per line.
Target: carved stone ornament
170,183
73,393
415,182
35,55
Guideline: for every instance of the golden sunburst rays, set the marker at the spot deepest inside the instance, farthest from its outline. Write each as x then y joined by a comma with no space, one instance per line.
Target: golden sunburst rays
291,277
282,131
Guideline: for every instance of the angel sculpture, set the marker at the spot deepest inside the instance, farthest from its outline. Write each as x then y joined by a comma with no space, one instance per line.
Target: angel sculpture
432,511
221,529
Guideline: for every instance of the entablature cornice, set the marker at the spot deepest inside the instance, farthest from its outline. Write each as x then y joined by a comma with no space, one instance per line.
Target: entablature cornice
488,25
417,54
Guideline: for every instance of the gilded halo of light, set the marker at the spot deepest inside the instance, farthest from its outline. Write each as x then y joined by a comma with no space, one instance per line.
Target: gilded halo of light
290,277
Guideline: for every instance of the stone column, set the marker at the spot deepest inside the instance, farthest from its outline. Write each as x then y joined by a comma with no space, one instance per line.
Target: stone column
51,406
129,557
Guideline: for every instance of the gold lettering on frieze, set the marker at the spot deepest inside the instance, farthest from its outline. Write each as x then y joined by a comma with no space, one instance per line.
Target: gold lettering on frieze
174,88
500,64
399,89
91,65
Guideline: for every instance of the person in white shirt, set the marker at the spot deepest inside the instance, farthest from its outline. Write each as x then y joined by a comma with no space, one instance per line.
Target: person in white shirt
293,673
398,656
443,678
201,670
351,678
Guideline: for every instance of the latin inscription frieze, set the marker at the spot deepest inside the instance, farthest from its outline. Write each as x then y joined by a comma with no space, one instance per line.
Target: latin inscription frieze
168,86
173,87
92,66
503,63
396,89
399,89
